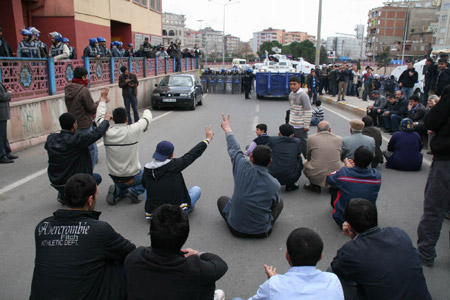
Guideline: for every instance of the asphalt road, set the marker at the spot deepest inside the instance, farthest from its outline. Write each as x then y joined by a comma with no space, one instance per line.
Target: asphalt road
22,206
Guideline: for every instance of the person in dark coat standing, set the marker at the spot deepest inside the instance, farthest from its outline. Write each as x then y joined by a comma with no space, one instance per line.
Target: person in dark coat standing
247,81
407,80
128,82
5,48
375,133
165,271
286,164
332,81
313,85
431,72
5,150
77,255
404,149
377,263
443,77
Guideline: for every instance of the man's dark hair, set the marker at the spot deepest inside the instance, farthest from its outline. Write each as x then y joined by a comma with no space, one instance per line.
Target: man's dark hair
318,103
66,121
361,214
429,59
414,98
443,60
295,78
78,189
79,72
262,127
393,77
169,228
120,115
376,92
123,69
368,121
286,130
304,247
362,157
262,155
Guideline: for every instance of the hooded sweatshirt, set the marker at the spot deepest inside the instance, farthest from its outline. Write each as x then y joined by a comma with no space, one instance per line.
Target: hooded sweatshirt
79,102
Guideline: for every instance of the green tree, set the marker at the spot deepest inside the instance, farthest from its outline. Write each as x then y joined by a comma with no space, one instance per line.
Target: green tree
323,55
268,46
383,59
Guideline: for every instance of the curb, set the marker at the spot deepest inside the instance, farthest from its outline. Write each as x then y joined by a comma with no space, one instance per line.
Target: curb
344,106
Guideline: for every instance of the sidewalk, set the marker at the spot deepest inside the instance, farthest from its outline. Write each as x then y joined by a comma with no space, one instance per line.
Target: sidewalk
352,104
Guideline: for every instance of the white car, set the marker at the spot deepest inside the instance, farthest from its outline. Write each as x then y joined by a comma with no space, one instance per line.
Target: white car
418,87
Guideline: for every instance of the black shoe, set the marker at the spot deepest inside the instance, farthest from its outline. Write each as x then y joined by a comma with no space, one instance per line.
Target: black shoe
111,196
343,99
132,197
291,187
12,156
312,187
5,160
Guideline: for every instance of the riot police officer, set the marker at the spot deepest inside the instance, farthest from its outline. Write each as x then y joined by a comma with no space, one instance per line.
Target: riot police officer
27,47
36,38
92,49
73,53
130,51
247,80
58,50
119,51
103,50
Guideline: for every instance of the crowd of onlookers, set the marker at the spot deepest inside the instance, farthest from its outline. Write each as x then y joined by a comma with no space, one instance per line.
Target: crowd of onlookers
32,47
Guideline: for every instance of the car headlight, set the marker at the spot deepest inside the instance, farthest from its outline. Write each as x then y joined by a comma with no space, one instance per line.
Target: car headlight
184,95
262,70
156,94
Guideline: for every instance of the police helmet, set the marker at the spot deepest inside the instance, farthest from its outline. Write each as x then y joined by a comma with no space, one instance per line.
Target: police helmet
26,32
249,70
65,40
33,30
130,45
120,43
93,40
56,35
116,43
38,35
101,39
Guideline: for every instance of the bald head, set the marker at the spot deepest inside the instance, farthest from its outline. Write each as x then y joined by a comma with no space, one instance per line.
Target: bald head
323,126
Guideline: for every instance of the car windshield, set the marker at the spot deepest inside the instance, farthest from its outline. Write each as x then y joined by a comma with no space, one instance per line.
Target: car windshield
283,64
176,81
242,62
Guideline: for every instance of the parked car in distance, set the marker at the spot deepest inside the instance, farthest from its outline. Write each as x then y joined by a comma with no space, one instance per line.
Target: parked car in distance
177,90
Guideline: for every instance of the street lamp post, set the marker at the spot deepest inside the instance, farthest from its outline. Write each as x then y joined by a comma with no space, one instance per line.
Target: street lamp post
318,41
229,2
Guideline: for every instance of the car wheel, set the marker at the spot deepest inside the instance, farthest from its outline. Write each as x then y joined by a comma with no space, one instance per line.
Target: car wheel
193,104
154,107
259,97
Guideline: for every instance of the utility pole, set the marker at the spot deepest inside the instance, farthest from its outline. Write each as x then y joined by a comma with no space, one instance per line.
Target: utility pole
318,40
405,34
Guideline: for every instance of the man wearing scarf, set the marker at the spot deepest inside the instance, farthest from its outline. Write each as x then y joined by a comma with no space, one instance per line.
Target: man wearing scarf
79,102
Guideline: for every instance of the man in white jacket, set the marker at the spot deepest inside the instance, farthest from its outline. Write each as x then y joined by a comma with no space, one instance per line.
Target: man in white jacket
122,158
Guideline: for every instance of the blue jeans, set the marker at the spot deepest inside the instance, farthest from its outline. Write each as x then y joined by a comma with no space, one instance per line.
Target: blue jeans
313,94
60,189
395,122
136,188
194,193
407,92
131,100
93,149
314,121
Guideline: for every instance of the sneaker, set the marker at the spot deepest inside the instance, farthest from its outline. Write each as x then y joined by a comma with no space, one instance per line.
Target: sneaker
111,196
132,197
148,216
219,295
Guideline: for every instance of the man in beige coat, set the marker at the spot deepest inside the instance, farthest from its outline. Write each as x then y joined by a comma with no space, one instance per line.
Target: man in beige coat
323,156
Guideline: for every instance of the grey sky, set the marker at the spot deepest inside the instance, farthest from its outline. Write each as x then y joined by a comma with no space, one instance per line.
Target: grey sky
248,16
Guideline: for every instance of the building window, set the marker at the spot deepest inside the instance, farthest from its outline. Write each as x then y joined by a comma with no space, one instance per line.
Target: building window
171,33
442,30
441,41
141,2
158,5
444,19
445,6
379,22
422,48
164,32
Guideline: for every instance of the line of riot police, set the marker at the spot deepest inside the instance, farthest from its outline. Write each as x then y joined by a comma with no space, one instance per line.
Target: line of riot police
233,81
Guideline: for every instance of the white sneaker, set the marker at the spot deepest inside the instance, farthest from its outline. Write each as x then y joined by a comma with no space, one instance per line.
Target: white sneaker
219,295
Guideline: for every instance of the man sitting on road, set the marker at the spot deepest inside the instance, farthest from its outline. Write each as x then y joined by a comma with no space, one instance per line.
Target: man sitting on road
68,152
378,263
286,164
377,108
354,180
356,140
122,158
323,156
395,114
416,112
164,271
374,133
164,181
261,139
303,281
78,256
256,203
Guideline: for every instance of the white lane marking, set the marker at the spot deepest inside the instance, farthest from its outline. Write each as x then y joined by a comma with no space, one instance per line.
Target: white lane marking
255,118
257,108
425,161
44,171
